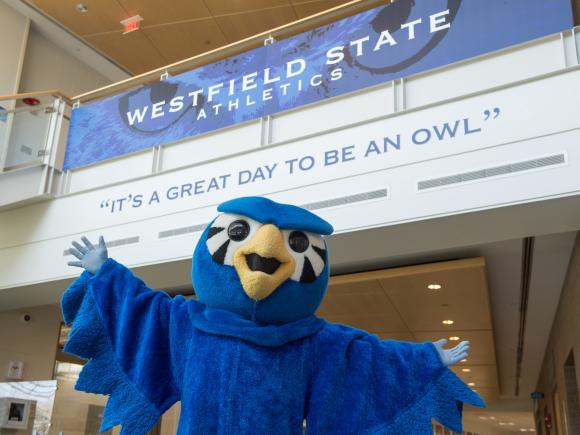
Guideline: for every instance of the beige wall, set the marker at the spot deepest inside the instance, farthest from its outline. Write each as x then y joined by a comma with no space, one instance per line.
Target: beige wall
34,342
47,66
15,29
70,409
565,337
12,43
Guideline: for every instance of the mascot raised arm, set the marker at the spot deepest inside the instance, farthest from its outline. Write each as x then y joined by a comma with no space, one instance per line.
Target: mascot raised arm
250,356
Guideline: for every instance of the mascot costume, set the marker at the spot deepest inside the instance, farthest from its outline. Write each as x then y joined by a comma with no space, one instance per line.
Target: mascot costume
250,356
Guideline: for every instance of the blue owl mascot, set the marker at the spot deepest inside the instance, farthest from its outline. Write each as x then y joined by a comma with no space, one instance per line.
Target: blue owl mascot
249,356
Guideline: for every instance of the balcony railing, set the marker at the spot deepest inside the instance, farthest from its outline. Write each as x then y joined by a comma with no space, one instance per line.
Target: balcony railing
29,124
32,143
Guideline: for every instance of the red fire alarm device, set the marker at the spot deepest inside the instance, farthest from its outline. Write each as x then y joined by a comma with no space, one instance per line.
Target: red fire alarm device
131,24
31,101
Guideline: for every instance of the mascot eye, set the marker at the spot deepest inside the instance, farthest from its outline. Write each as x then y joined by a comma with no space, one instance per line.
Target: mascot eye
227,233
238,230
309,252
298,241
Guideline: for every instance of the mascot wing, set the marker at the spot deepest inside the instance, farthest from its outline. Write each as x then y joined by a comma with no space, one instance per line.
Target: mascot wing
365,385
132,337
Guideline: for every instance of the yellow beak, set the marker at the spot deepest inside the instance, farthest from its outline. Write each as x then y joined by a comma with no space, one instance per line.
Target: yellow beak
263,263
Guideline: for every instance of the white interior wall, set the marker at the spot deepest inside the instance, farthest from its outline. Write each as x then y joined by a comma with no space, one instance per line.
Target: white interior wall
524,130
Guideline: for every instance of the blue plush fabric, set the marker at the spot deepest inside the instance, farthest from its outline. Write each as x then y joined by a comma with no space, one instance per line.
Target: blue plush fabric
222,322
148,351
284,216
218,286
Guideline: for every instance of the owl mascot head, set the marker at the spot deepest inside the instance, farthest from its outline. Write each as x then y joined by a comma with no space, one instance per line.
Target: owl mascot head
263,260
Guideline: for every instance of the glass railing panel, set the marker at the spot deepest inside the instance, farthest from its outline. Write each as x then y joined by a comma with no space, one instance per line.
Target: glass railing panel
29,125
26,135
6,108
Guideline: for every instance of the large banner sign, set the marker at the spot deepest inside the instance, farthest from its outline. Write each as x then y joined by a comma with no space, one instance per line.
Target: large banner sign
376,46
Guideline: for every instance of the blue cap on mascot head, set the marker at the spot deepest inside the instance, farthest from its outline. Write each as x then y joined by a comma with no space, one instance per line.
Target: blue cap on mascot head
263,260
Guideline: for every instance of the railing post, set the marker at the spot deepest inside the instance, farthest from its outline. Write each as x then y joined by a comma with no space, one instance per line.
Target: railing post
266,121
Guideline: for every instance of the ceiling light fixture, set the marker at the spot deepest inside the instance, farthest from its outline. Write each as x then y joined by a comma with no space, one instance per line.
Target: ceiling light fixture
472,384
82,8
448,322
434,286
463,360
466,370
454,338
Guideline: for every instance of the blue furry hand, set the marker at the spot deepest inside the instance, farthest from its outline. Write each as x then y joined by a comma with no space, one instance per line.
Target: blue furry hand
90,257
453,355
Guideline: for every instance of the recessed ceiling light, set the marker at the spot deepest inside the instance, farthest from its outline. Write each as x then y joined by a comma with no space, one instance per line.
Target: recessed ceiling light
434,286
448,322
466,370
472,384
454,338
82,8
464,360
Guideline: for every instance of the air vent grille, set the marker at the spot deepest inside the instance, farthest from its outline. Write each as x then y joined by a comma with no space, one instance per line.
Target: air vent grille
350,199
512,168
113,243
180,231
375,194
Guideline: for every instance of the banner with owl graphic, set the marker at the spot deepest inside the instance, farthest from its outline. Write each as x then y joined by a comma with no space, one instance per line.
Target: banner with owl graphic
376,46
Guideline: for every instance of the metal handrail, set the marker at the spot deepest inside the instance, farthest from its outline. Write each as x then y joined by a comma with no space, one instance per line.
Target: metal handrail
56,93
220,53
